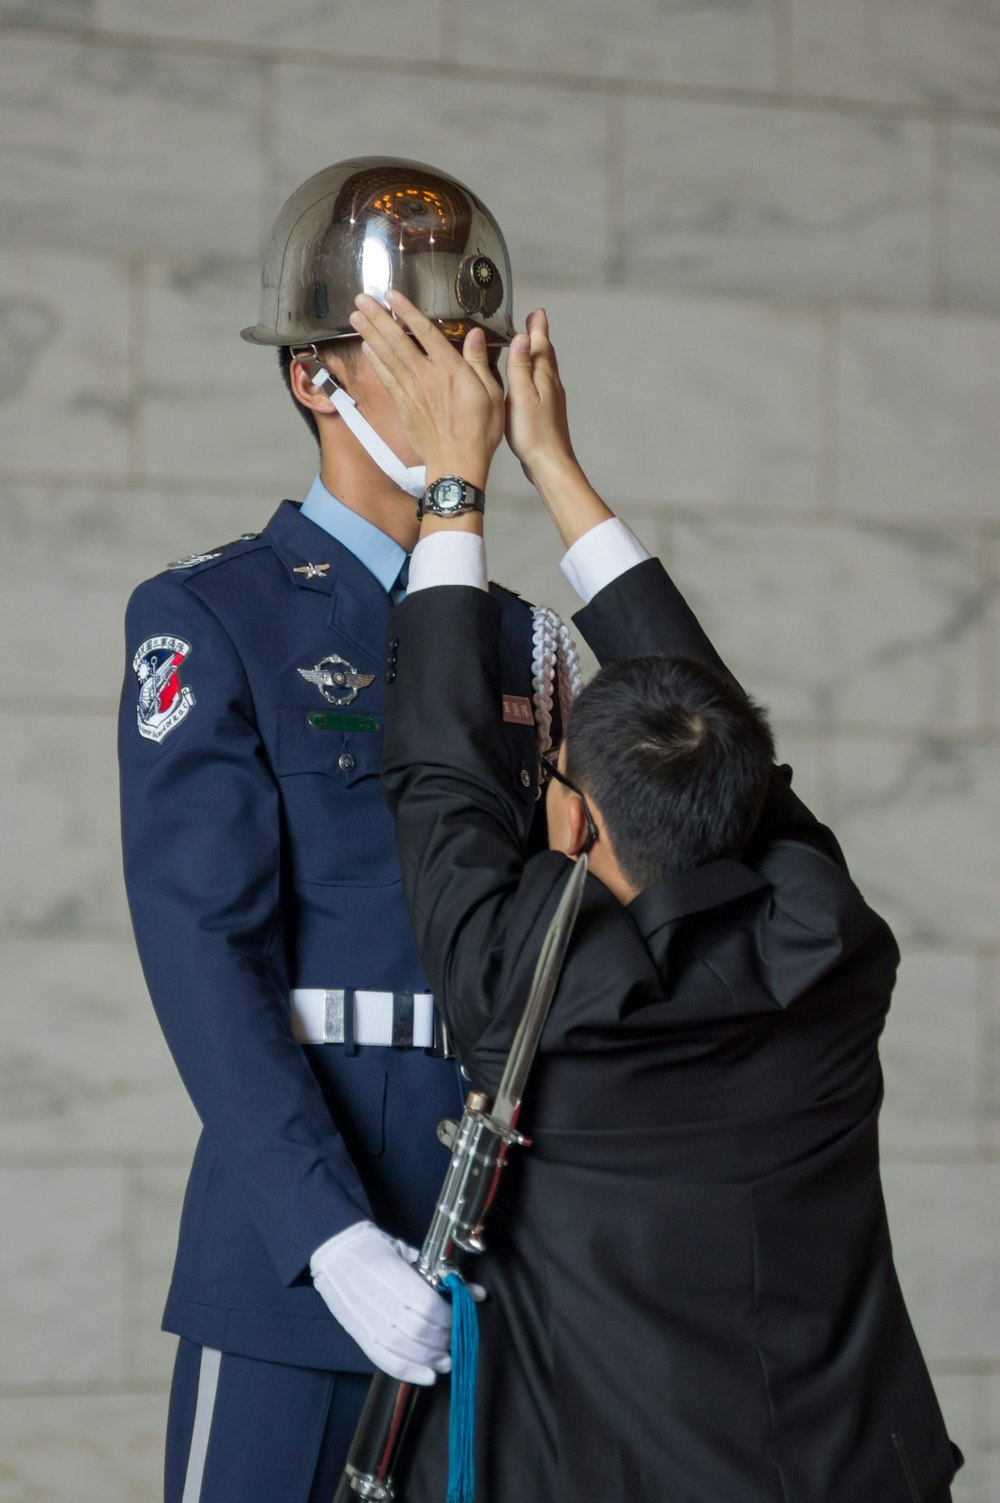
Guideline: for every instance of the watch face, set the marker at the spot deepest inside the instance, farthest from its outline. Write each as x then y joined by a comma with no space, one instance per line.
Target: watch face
447,495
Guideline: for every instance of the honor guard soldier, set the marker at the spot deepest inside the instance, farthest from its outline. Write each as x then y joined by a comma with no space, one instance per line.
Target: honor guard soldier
262,873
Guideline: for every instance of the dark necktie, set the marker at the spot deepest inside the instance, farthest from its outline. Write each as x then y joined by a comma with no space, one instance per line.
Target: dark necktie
398,590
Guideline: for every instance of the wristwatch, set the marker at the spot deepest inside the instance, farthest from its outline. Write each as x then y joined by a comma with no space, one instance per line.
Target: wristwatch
450,497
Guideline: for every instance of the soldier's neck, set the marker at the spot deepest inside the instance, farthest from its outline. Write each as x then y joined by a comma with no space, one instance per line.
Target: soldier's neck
358,483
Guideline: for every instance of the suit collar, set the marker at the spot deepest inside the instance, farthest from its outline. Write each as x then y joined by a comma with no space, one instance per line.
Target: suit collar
687,893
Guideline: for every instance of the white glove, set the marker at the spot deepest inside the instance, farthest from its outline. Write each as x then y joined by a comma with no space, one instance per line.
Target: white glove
397,1319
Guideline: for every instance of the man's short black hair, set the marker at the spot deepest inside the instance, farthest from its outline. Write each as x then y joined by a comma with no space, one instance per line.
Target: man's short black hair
347,349
677,759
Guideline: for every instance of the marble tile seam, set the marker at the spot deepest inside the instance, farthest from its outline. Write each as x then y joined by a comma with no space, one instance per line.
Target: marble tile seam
924,937
138,297
131,1291
809,514
872,518
802,307
529,78
829,412
988,1082
44,1161
82,1390
449,29
615,205
100,936
940,207
782,64
986,1060
269,152
956,949
31,704
249,486
989,643
62,934
827,733
820,731
933,1158
958,1367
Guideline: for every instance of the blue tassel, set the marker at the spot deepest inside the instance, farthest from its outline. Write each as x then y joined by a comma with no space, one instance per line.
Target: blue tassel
462,1420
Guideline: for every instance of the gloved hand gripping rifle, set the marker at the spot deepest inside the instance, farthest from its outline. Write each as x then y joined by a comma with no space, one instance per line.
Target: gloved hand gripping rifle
479,1145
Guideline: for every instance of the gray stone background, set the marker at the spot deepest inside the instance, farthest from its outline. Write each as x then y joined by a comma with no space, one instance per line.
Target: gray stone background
768,234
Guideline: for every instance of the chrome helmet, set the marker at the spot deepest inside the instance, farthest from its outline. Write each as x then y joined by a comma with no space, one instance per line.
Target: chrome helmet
375,223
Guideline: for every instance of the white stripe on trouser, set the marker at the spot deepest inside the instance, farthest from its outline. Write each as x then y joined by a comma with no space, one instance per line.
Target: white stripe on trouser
208,1384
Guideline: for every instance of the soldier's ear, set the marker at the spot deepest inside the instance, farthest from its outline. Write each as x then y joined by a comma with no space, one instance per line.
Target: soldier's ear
300,374
576,824
340,365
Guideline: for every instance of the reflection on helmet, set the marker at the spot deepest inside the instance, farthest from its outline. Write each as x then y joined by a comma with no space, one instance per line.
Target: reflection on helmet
376,223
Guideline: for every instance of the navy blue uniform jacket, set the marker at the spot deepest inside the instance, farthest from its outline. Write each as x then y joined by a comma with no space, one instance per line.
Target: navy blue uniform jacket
260,856
693,1291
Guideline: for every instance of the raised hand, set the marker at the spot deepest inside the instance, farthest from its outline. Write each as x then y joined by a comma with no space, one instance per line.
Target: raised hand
537,425
538,432
449,401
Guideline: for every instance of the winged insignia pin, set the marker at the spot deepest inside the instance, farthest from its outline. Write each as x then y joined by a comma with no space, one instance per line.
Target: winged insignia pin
337,680
312,571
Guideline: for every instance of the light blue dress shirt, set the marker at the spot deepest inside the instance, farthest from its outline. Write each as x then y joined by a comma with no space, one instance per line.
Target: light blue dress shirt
380,554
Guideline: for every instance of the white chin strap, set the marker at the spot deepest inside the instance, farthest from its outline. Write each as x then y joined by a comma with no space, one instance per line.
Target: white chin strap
412,478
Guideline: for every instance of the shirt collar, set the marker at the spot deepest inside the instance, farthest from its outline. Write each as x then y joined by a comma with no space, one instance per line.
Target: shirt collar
380,554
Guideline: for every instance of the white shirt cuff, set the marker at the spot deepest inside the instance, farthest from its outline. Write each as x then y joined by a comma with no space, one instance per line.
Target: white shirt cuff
601,555
448,558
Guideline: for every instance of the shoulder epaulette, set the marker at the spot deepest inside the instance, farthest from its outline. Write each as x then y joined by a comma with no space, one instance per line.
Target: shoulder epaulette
495,584
209,556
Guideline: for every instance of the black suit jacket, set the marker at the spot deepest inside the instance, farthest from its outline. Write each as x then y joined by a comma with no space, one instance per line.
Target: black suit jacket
693,1291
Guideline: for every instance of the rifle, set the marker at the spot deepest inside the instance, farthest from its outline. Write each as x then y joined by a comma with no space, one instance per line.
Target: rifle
480,1142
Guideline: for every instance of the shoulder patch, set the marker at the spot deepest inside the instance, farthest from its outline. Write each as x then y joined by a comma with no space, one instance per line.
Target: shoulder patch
163,701
192,560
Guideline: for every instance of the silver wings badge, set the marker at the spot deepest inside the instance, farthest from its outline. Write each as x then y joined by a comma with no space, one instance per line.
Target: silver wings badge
336,680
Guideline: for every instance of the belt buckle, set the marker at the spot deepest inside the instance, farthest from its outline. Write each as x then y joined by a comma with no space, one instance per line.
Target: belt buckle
333,1017
402,1020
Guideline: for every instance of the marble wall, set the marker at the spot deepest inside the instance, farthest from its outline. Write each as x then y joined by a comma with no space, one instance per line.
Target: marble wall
766,232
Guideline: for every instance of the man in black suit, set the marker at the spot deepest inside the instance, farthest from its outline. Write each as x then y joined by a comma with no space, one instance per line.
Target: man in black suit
693,1291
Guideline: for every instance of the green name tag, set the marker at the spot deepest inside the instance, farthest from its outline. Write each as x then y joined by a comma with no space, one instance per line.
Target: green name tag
333,720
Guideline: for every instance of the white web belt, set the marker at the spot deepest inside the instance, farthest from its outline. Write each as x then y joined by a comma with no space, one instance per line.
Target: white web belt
402,1020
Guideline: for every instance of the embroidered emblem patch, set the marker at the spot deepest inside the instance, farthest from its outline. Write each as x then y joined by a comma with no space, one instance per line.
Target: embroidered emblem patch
163,699
336,680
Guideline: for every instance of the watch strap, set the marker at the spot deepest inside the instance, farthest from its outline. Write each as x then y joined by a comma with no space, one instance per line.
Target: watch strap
475,499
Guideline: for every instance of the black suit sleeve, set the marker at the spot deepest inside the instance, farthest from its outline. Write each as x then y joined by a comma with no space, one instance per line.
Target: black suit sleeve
458,809
643,611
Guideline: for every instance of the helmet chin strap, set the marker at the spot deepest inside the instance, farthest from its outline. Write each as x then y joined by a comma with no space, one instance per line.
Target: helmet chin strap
410,478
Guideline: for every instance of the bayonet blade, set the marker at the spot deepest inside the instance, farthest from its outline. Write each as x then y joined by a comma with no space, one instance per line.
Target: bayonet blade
507,1105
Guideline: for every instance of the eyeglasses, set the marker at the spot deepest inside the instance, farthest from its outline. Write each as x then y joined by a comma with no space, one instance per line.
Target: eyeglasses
551,771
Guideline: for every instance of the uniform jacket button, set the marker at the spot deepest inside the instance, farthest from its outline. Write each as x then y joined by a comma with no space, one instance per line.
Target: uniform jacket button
346,762
525,777
390,677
